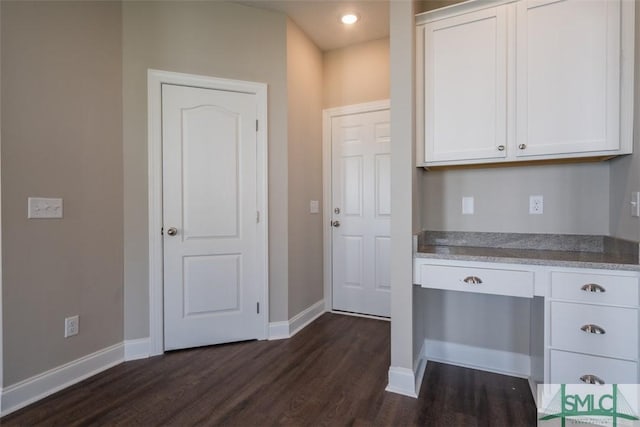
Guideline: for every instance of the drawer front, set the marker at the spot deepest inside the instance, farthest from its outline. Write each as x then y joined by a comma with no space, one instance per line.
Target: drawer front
479,280
595,288
617,327
567,368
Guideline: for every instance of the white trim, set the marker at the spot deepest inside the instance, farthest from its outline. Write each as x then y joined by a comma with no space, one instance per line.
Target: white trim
279,330
42,385
287,329
366,316
1,315
154,84
136,349
484,359
327,115
402,381
419,367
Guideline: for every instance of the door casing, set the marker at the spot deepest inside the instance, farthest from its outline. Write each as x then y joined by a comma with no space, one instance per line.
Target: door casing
155,80
327,116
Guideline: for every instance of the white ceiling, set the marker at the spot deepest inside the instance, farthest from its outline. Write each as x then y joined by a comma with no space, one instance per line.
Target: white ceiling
320,19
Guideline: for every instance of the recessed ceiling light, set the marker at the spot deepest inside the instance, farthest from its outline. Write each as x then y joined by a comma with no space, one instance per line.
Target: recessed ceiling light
349,18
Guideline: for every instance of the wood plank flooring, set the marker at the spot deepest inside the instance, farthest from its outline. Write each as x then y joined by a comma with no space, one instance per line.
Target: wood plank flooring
333,373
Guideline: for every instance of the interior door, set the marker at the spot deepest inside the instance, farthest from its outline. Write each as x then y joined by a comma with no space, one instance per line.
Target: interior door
209,208
361,183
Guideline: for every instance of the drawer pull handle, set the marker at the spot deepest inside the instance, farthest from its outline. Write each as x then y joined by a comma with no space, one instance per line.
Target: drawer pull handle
591,379
593,287
593,329
472,280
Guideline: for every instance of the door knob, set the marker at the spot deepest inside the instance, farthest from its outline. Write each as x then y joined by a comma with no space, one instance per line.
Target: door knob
172,231
335,223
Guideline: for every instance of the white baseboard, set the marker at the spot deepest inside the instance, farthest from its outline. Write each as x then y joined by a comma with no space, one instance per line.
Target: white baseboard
287,329
136,349
419,367
402,381
32,389
484,359
278,330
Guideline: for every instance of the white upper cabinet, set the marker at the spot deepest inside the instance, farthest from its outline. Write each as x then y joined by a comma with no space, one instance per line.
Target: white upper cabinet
502,81
466,82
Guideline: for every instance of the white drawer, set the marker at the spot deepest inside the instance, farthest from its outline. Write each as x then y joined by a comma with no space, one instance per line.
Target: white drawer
620,327
479,280
567,368
595,288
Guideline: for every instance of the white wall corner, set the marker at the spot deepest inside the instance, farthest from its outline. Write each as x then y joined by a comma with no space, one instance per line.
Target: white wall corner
287,329
278,330
305,317
402,381
137,349
42,385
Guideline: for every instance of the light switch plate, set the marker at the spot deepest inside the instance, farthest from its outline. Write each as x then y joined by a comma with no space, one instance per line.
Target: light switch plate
41,207
467,205
314,206
635,204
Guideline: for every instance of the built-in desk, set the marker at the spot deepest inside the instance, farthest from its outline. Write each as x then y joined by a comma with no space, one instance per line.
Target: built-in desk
584,303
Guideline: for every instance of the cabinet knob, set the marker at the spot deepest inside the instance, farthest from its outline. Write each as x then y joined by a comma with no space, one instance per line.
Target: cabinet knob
172,231
593,329
472,280
592,287
522,146
500,147
591,379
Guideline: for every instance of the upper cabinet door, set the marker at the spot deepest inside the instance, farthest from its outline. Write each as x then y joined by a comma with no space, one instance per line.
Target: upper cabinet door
465,87
568,76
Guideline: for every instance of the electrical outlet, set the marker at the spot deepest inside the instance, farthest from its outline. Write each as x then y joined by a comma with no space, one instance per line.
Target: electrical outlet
536,205
41,207
71,326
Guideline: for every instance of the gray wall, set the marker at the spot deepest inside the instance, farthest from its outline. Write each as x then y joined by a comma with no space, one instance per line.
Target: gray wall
576,199
61,137
356,74
304,89
625,171
214,39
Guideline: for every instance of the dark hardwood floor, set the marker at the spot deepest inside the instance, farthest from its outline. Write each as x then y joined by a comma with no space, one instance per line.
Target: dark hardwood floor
332,373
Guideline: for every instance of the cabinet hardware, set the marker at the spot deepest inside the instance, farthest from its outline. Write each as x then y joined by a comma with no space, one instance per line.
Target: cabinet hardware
172,231
500,147
593,329
592,287
335,223
472,280
591,379
522,146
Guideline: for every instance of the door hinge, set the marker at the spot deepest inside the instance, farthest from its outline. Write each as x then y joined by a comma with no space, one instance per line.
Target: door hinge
162,231
257,216
258,307
256,126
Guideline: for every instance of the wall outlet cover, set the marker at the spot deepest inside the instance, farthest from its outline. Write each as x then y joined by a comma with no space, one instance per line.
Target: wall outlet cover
71,326
536,205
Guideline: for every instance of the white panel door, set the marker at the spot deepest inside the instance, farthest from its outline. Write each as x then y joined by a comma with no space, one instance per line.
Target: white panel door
568,76
209,209
465,66
361,206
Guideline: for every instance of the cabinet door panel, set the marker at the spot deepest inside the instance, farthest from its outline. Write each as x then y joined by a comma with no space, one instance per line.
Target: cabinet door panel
568,76
465,86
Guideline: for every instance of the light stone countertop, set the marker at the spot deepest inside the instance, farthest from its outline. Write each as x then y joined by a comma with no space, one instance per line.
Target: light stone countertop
597,252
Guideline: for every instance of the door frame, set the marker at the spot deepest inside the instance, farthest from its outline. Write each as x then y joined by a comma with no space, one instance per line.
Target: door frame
327,189
155,80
